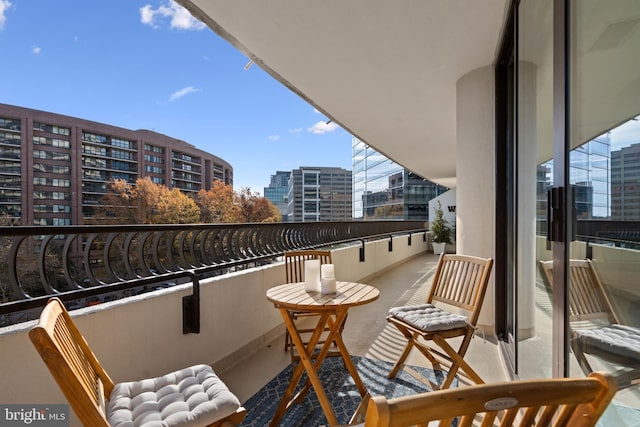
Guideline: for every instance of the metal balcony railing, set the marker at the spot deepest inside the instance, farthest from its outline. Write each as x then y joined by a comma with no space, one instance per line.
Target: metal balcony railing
80,262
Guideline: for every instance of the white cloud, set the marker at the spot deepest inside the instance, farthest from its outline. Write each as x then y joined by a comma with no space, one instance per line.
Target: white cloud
146,15
35,50
296,130
626,134
179,17
275,137
323,127
4,6
182,92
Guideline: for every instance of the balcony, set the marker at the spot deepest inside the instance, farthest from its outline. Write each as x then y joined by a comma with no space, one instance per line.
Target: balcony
144,335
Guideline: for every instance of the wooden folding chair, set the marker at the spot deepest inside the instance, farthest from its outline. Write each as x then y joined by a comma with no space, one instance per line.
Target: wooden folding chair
559,402
193,396
460,282
595,327
294,267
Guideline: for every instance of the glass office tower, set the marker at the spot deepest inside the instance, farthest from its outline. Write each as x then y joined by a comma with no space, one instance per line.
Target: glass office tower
383,189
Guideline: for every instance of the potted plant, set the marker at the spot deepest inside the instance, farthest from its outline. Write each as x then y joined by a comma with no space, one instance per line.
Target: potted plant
440,231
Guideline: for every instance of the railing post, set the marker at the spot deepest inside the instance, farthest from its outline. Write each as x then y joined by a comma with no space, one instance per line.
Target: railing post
191,309
362,251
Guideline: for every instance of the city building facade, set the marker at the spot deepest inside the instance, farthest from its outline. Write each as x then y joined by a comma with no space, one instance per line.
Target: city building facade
625,190
382,189
54,169
278,192
319,194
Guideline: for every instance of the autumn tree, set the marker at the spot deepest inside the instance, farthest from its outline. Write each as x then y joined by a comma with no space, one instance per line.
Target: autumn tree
146,203
254,208
265,211
175,207
117,206
223,205
217,204
150,203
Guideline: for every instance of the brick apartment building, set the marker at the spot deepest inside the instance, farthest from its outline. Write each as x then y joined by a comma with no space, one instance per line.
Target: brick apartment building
54,168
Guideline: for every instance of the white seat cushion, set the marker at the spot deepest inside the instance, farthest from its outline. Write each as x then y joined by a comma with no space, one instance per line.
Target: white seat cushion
428,317
193,396
616,339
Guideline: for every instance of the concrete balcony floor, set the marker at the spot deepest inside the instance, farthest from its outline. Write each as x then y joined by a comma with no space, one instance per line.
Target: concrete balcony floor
368,334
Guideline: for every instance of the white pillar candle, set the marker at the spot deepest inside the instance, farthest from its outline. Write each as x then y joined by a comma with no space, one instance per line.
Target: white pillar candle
327,271
312,275
328,285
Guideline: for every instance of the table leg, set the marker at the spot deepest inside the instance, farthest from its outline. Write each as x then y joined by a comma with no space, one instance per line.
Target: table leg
305,364
334,335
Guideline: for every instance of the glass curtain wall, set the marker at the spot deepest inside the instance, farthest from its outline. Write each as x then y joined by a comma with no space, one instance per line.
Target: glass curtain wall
599,172
382,189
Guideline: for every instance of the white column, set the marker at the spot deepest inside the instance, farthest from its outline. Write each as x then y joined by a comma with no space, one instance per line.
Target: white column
475,175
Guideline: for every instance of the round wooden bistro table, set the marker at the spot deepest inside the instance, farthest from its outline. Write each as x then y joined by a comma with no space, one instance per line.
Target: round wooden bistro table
332,309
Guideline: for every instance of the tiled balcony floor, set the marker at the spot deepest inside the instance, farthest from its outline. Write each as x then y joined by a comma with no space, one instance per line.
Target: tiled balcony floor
367,333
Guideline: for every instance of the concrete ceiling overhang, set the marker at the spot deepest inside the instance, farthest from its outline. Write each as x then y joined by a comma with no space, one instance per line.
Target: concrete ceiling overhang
386,71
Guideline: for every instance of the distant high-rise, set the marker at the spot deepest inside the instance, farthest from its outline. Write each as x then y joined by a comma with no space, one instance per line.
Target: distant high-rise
319,194
278,190
625,179
382,189
54,169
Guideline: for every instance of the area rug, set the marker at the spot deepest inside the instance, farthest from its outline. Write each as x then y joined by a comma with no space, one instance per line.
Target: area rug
340,389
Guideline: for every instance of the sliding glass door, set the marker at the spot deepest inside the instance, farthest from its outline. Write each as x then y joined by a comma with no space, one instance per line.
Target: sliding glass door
576,179
604,175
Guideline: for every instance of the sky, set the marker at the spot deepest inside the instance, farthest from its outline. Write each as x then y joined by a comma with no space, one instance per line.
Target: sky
150,65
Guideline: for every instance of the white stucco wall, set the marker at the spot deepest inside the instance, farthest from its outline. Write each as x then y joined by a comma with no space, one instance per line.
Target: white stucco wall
448,202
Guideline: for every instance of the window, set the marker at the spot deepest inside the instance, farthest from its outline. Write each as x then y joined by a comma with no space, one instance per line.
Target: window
42,127
9,167
10,124
96,151
93,162
153,169
10,152
119,154
61,209
53,142
9,138
153,159
153,148
61,182
93,137
311,178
